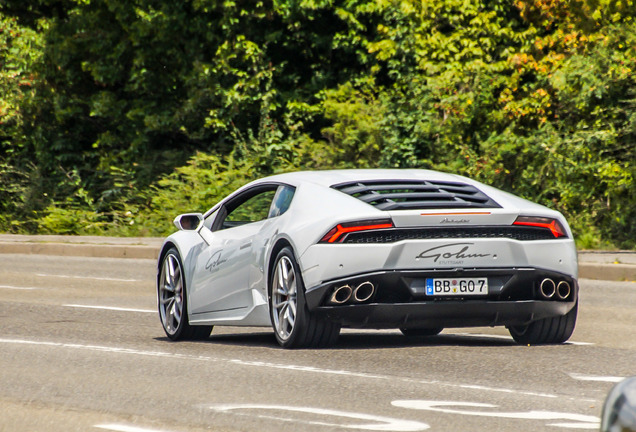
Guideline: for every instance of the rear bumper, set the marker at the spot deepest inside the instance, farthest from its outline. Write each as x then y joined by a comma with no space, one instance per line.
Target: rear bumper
324,262
400,299
472,313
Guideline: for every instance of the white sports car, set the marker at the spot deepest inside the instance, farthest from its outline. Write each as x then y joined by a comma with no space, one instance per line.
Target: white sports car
418,250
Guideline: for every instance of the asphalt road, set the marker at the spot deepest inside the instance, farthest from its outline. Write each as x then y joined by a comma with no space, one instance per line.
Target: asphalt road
82,349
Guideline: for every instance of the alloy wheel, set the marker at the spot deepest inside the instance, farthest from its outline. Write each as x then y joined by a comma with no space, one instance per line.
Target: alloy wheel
171,294
284,298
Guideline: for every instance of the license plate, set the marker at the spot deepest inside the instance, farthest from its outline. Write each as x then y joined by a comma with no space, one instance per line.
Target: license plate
457,286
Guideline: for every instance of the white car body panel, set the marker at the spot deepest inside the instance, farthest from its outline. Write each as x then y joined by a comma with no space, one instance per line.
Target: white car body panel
326,262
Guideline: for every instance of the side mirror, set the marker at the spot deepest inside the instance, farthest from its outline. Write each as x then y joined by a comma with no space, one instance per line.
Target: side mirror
188,221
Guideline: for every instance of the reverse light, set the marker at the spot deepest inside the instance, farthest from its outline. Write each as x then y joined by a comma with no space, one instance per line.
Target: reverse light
337,233
542,222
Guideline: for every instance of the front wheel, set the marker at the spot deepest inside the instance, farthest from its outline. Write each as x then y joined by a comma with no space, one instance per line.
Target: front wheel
172,295
294,325
555,330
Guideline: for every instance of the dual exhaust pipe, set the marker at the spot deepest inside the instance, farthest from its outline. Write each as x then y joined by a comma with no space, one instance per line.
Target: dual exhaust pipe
364,291
550,288
359,293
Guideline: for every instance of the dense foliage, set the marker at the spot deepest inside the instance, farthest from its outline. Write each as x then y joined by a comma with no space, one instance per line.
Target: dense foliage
118,114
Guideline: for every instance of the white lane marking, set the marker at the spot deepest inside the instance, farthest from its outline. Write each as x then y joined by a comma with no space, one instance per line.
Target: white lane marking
609,379
580,421
11,287
87,277
309,369
124,428
579,343
386,377
298,368
505,390
99,348
377,423
591,426
484,335
113,308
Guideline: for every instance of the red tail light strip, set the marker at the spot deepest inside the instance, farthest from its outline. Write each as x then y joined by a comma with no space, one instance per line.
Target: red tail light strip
337,233
552,224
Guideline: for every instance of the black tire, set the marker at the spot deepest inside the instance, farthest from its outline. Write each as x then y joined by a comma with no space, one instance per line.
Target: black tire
413,332
294,325
173,301
546,331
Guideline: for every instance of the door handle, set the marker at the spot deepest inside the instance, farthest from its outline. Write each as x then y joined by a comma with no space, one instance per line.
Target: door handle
246,245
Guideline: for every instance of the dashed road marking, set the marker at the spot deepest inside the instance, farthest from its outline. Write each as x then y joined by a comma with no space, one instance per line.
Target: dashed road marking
375,423
11,287
385,377
591,426
48,275
555,419
113,308
609,379
573,420
297,368
125,428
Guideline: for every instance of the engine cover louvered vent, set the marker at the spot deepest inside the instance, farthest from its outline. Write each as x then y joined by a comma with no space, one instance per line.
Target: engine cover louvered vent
416,195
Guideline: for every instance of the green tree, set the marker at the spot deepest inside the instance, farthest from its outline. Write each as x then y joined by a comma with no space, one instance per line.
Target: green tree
533,96
20,49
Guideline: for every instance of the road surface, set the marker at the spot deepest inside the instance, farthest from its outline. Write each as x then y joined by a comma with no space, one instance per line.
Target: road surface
82,349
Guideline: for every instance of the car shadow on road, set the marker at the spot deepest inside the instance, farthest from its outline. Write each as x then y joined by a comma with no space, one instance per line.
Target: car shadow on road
379,341
256,339
352,340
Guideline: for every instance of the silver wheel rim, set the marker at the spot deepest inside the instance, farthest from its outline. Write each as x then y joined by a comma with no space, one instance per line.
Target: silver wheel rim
284,298
171,294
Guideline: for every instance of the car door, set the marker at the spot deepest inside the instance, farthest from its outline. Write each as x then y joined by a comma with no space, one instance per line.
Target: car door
220,283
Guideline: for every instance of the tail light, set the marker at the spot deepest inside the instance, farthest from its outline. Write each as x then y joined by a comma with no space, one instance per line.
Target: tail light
542,222
337,233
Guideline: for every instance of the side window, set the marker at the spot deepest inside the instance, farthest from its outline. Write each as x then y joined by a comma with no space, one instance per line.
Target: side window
282,200
253,209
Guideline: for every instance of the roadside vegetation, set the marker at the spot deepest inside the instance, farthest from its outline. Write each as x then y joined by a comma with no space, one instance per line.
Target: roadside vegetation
116,115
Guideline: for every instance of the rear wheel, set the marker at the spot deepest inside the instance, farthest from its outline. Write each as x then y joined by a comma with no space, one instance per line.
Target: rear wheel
294,325
411,332
546,331
173,305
